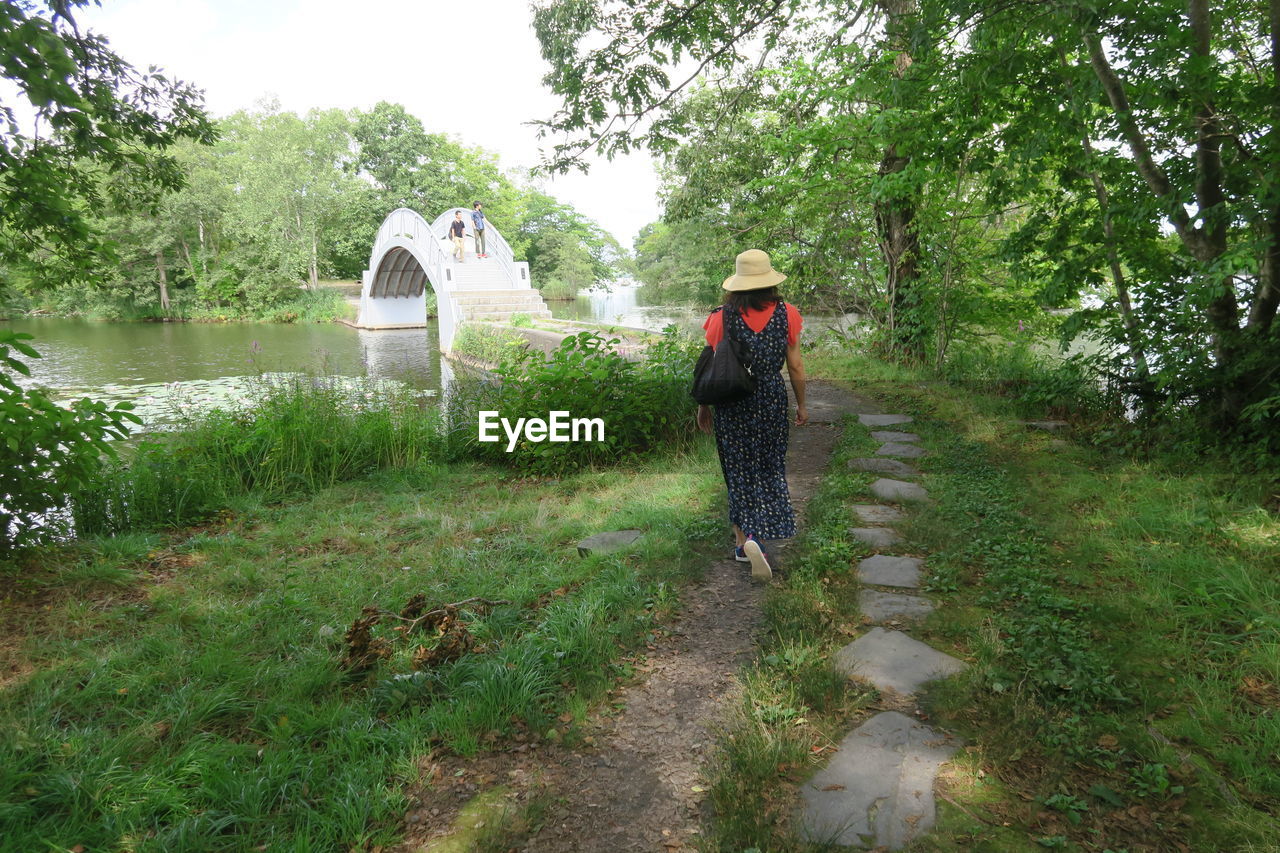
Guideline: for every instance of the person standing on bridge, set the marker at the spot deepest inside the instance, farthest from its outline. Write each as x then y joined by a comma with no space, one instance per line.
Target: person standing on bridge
477,222
458,232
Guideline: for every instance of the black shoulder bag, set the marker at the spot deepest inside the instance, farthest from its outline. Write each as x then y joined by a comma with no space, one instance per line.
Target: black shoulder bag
723,374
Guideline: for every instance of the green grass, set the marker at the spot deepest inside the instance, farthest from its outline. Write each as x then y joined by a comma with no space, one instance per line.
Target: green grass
208,712
1119,613
301,433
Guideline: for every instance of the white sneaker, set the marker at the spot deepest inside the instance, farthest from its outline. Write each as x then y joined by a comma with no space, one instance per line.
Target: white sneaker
760,570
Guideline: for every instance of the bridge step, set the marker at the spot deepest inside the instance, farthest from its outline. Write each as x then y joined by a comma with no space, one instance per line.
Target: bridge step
498,316
500,304
481,297
482,275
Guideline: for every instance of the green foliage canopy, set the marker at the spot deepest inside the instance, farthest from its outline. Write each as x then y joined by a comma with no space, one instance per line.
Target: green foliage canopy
87,112
1114,158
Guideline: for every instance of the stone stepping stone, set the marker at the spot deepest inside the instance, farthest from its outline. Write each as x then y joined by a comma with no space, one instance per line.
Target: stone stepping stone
877,790
890,435
883,570
878,513
893,661
1047,426
896,490
876,537
902,451
893,606
607,543
884,466
884,420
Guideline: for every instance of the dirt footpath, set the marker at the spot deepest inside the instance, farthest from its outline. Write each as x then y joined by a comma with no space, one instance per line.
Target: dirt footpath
635,786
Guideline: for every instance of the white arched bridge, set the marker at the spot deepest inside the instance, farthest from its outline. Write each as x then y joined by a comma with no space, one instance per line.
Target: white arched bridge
409,252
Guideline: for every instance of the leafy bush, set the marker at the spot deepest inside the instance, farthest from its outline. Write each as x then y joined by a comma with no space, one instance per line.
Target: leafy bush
486,344
1043,384
48,451
644,404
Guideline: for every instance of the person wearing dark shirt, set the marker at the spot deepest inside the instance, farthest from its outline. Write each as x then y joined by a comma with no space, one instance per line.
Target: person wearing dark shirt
457,232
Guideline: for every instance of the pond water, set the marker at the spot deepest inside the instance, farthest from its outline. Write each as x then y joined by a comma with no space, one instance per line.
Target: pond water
160,366
626,305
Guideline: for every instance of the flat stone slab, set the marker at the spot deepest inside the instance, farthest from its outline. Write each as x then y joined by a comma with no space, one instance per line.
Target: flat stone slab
884,466
878,513
890,435
876,537
884,420
877,790
900,450
893,606
896,490
606,543
891,660
1047,426
883,570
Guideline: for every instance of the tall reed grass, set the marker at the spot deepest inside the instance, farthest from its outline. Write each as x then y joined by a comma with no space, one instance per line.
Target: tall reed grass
301,434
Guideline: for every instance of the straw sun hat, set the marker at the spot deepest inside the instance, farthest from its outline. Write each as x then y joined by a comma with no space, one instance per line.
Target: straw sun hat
754,271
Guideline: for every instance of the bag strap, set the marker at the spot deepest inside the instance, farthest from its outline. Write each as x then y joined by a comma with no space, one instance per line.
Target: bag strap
745,346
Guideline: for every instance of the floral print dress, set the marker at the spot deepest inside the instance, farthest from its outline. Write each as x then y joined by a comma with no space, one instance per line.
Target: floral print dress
751,434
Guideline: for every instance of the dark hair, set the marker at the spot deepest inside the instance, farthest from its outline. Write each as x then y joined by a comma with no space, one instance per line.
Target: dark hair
754,300
458,212
474,205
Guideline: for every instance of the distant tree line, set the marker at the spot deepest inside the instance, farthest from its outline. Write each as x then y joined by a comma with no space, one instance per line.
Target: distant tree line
267,201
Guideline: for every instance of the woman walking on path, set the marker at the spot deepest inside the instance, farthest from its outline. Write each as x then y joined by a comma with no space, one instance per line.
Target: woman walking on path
751,433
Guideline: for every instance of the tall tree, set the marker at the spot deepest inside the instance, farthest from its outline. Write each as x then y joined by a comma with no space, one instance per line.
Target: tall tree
1162,119
87,111
613,65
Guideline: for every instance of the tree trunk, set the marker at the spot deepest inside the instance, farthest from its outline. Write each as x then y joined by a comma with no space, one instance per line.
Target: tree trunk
315,266
204,271
1206,243
1267,298
900,243
1141,379
163,276
1142,384
895,214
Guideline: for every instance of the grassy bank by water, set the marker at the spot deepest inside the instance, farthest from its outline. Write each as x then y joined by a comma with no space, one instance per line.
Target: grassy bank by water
1119,614
183,692
186,690
326,304
179,688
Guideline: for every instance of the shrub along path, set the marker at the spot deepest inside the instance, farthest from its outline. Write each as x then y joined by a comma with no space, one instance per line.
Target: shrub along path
633,783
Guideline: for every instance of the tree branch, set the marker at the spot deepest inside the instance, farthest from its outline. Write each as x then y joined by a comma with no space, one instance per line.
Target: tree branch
1209,173
439,611
1147,166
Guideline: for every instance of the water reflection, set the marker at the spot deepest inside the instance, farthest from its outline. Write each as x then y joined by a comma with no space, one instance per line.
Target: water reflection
627,304
163,366
624,303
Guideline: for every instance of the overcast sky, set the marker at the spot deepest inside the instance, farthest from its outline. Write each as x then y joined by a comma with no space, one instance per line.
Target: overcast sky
471,70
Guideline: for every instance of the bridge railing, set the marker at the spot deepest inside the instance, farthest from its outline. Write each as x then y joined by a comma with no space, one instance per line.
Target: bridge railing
407,223
496,245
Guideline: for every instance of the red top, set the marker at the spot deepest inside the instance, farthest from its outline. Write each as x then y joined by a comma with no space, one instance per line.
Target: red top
756,321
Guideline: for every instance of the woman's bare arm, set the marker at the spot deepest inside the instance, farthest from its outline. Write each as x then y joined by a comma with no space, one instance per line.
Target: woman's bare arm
795,369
